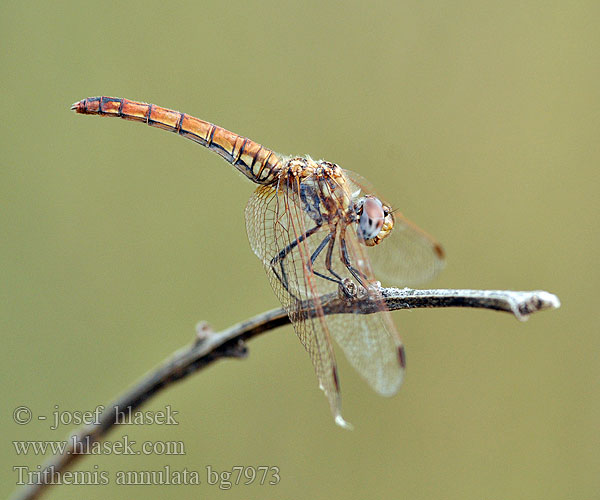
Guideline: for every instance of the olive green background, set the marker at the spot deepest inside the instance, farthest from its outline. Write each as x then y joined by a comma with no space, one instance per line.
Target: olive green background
478,119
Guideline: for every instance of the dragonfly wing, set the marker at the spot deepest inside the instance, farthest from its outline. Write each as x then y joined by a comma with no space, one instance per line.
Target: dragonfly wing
275,223
409,255
313,265
372,347
370,342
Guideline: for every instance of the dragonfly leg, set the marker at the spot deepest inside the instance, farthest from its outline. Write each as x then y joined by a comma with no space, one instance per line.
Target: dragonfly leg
328,240
328,264
359,276
278,259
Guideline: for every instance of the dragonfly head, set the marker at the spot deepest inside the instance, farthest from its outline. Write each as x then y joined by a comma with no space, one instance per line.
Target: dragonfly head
375,220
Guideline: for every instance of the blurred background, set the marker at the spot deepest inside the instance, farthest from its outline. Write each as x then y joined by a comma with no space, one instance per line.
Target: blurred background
478,119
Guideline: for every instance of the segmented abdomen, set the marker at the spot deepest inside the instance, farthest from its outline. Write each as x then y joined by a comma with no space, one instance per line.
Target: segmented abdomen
259,164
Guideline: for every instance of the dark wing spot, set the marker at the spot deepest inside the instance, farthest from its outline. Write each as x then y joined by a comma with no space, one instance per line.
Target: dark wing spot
439,251
402,356
335,379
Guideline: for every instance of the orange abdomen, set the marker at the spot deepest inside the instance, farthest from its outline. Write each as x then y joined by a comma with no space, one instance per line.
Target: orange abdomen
259,164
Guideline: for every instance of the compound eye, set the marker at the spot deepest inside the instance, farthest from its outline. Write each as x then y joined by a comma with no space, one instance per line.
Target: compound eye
371,219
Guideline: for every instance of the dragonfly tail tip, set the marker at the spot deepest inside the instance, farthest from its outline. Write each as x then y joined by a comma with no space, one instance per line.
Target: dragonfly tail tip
76,106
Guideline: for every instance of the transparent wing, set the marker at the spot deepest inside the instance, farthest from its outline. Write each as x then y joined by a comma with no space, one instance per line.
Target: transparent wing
370,342
409,255
275,223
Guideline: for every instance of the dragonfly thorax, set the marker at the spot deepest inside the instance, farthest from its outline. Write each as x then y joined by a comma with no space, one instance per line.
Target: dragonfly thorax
319,187
375,220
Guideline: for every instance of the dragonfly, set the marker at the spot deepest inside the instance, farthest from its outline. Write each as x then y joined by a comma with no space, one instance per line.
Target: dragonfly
319,230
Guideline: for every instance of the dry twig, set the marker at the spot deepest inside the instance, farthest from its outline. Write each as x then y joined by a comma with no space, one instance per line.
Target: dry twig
210,346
